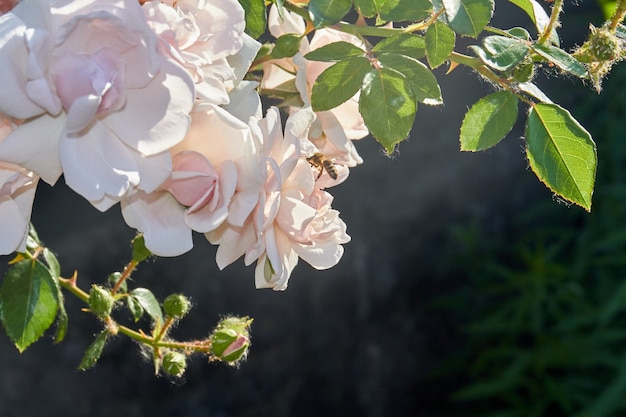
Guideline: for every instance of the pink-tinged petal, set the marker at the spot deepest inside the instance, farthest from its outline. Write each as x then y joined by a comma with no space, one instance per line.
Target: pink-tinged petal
161,220
81,113
222,22
296,128
39,87
17,192
301,179
13,226
350,119
233,243
96,164
320,255
156,117
34,145
241,61
245,101
193,179
283,23
209,217
212,90
133,42
153,170
283,260
14,99
293,217
216,134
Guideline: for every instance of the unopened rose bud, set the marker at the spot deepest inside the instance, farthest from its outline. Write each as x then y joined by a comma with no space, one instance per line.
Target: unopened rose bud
174,363
176,306
230,340
100,301
286,46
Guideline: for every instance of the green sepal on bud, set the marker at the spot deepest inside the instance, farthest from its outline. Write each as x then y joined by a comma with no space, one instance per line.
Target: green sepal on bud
286,46
230,340
100,301
174,363
176,306
140,252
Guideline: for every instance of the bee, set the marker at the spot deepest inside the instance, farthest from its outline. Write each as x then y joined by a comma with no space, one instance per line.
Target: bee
320,161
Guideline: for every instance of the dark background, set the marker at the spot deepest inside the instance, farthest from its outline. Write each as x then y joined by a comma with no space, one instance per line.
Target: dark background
357,340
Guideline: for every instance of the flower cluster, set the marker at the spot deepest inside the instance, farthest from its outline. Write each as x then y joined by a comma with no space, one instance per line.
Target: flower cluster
148,105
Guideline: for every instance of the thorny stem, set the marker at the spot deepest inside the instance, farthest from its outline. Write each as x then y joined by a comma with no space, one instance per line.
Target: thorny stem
618,16
423,25
128,269
477,65
554,18
156,342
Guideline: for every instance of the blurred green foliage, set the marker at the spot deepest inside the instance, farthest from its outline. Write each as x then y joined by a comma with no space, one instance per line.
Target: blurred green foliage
544,312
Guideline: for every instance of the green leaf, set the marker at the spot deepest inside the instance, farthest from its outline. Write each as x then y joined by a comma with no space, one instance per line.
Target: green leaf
534,91
53,263
333,52
488,121
538,15
423,82
55,272
413,46
256,17
94,351
339,83
140,252
405,10
561,59
439,43
29,302
148,302
62,319
561,153
368,8
388,106
468,17
135,308
501,53
328,12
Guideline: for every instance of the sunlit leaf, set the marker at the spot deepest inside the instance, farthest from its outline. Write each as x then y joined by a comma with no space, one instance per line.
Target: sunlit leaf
423,81
501,53
256,17
388,106
407,44
328,12
369,8
468,17
334,52
339,83
439,43
405,10
488,121
534,91
538,15
148,302
561,59
29,302
561,153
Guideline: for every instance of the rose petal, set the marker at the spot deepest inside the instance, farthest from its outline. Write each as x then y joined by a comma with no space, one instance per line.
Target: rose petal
34,145
161,220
